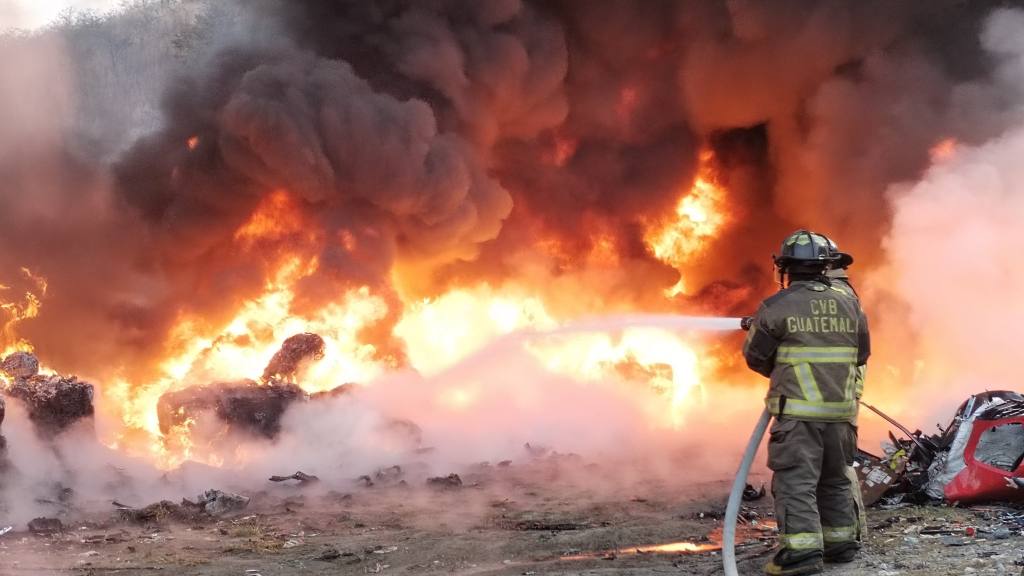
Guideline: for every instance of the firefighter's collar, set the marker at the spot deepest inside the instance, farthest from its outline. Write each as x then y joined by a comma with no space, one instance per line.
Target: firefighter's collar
812,285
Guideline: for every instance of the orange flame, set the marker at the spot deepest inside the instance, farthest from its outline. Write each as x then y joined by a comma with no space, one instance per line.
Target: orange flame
471,315
698,217
276,217
14,312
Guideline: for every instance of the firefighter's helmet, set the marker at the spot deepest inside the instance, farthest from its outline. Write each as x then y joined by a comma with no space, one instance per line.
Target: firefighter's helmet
804,251
844,260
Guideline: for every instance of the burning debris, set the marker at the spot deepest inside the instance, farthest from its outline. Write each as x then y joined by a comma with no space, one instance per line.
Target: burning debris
295,352
20,365
54,402
245,406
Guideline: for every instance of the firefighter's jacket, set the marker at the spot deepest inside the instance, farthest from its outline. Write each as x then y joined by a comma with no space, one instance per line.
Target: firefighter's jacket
810,339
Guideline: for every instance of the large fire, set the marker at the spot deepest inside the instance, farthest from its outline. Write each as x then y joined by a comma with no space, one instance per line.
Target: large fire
17,310
436,332
698,217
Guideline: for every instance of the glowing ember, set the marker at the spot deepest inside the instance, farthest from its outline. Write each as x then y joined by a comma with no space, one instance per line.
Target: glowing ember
698,218
192,142
684,547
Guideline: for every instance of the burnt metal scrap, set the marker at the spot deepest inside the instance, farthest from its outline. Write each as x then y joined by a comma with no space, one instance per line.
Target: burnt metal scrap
978,457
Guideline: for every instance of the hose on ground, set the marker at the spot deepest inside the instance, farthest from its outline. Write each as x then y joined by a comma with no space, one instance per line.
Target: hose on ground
736,496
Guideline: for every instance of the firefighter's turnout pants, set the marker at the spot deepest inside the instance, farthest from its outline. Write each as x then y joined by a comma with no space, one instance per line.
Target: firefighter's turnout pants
810,461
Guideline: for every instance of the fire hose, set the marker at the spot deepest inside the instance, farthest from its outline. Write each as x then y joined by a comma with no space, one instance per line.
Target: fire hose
736,496
732,509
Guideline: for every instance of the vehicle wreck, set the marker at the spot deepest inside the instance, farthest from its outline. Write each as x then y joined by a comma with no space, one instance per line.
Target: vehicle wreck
978,457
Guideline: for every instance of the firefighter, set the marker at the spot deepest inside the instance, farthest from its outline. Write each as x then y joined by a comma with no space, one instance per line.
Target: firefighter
809,339
841,279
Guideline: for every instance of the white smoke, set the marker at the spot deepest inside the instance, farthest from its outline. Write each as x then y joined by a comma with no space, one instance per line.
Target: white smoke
954,258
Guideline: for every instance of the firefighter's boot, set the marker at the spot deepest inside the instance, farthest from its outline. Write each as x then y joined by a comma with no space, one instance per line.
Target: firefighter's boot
790,563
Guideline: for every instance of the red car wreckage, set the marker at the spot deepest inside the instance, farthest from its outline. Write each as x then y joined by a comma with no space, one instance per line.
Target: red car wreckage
978,457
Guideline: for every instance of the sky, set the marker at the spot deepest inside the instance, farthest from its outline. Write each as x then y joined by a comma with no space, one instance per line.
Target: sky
31,14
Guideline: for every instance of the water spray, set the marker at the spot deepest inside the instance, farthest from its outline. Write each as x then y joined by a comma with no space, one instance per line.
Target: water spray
678,322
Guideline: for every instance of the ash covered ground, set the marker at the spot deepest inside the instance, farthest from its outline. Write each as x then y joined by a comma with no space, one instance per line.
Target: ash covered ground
538,515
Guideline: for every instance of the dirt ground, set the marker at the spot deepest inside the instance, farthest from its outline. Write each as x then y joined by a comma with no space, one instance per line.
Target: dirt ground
522,519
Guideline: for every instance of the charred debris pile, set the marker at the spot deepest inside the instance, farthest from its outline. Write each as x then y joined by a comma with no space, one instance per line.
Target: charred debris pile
248,406
53,402
978,457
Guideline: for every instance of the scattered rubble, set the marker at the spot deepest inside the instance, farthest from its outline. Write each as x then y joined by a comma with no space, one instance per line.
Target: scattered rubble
449,481
45,526
389,476
328,554
301,476
547,526
210,504
750,493
160,511
219,503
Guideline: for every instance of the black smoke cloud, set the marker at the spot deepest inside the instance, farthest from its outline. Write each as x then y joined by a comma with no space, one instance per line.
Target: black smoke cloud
447,136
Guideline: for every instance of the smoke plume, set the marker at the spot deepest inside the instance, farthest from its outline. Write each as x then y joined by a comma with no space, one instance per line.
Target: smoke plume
951,253
164,166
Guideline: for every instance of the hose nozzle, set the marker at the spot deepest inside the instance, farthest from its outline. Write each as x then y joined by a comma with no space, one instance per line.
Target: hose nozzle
746,322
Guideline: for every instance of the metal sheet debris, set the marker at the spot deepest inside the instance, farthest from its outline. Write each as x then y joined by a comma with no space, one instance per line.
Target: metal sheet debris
979,457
